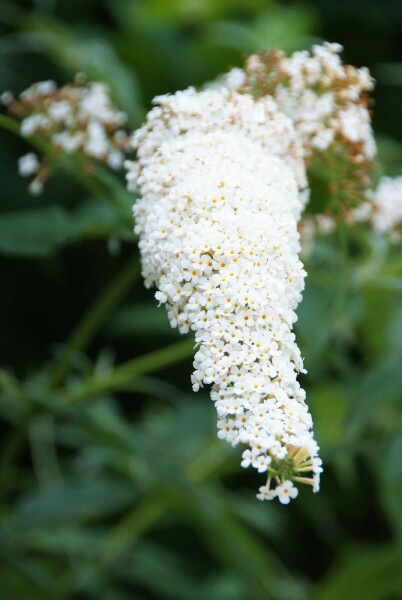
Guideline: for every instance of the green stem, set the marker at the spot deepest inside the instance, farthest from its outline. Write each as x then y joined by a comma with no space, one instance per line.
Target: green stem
13,125
87,181
10,124
149,511
129,370
43,450
89,324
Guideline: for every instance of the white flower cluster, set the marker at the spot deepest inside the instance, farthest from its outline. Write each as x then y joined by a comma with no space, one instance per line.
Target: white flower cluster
220,177
76,118
383,210
324,98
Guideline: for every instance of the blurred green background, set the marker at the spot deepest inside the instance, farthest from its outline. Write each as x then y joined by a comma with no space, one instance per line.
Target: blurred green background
113,485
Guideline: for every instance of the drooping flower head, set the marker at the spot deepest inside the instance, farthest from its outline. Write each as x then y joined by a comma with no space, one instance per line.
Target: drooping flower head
222,186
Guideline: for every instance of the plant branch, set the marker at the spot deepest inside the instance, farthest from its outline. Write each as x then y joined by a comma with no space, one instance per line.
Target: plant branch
129,370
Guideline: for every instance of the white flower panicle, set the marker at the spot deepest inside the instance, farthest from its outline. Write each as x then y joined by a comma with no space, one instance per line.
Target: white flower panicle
383,209
75,119
222,187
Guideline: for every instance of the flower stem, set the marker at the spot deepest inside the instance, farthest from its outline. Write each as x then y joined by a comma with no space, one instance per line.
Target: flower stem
13,125
148,512
129,370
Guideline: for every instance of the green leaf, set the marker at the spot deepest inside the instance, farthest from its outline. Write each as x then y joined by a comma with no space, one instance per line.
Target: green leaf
142,319
161,572
380,387
315,308
235,546
72,502
329,406
97,218
34,233
287,28
370,574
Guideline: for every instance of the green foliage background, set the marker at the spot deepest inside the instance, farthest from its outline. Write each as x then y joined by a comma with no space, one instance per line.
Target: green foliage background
113,483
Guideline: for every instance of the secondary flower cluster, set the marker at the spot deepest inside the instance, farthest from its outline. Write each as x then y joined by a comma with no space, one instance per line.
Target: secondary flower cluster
222,186
75,119
383,209
328,104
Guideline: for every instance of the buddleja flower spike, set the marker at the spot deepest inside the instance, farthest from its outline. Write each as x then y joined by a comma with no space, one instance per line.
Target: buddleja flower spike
222,185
